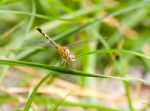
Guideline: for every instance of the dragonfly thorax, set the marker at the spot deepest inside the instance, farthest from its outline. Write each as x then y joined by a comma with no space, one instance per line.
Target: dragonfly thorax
66,54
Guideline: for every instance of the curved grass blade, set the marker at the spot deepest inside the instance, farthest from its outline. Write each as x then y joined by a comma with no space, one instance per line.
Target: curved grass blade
69,17
36,15
29,102
114,50
72,72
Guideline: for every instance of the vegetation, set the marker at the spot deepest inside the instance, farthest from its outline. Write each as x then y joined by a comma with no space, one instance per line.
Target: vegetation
111,43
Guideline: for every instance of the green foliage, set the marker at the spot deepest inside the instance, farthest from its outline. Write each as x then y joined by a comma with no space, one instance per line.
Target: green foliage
103,35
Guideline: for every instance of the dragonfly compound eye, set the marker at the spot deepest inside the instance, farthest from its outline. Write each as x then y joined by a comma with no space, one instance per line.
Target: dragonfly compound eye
71,57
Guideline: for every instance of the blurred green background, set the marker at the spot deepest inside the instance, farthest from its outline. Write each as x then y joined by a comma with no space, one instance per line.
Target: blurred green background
108,37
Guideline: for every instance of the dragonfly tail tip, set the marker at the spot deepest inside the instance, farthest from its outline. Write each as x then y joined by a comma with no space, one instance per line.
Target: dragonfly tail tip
38,29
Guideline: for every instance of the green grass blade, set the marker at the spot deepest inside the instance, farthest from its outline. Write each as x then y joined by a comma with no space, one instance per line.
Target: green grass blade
30,99
115,50
70,72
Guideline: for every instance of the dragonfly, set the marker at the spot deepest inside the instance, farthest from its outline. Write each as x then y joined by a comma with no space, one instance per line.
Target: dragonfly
64,52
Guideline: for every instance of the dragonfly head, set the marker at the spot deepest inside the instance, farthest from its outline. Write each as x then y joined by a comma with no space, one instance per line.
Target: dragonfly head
71,57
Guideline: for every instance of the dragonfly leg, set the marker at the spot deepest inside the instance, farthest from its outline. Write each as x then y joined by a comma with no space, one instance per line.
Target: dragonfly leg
65,63
61,63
